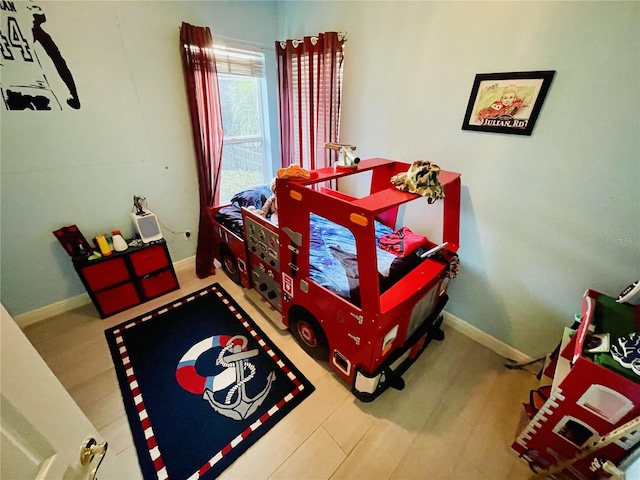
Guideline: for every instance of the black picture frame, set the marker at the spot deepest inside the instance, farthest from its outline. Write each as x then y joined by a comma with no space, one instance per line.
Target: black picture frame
507,102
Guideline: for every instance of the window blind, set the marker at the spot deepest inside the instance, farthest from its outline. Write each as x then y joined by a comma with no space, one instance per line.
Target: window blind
236,61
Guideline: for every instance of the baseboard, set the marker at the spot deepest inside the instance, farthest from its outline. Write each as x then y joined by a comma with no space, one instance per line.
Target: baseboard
185,263
28,318
34,316
484,339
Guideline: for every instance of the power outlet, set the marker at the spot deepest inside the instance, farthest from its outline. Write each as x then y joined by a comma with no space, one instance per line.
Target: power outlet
187,234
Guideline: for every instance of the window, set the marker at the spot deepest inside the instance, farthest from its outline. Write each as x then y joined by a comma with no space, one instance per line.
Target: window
245,156
606,403
574,431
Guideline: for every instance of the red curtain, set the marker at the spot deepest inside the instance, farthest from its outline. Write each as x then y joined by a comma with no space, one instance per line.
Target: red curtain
309,93
201,80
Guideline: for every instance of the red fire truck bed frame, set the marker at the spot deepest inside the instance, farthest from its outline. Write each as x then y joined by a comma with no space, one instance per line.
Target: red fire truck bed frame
369,346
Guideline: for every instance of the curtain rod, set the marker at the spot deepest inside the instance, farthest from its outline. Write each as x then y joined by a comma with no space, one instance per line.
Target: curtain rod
258,45
314,39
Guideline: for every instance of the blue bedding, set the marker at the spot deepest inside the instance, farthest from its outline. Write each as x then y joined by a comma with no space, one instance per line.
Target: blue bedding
332,259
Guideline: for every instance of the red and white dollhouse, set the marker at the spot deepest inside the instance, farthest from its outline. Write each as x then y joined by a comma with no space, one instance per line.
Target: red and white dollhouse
592,395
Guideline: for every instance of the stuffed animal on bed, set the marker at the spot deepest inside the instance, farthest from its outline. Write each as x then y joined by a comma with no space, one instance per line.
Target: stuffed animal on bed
270,208
421,178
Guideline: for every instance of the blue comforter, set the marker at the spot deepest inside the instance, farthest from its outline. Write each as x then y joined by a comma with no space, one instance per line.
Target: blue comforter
332,259
333,253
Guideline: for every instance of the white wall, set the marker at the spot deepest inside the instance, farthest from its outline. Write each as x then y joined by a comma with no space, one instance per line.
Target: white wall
132,136
544,217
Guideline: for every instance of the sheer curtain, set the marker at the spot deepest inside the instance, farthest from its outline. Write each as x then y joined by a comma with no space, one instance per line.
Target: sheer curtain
309,94
201,80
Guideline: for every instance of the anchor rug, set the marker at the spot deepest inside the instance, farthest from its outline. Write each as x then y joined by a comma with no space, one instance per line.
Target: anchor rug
201,383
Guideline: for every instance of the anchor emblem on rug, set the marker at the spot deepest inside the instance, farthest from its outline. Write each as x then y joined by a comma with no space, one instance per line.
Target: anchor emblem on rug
238,372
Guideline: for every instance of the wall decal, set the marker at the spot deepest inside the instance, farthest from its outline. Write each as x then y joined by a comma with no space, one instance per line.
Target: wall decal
24,82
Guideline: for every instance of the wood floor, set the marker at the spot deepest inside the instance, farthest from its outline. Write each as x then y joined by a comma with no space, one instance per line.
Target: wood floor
455,419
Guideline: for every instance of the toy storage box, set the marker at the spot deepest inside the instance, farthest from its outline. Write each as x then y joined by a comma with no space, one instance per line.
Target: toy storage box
589,399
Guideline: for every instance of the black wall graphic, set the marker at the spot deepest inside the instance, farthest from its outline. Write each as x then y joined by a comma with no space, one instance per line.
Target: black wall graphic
23,80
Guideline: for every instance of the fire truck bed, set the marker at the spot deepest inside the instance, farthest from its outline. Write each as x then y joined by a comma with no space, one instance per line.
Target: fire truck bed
333,254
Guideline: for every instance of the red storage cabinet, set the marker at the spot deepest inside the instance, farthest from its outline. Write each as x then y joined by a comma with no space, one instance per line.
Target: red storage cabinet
125,279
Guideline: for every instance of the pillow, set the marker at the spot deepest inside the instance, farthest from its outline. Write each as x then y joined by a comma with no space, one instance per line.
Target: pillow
252,197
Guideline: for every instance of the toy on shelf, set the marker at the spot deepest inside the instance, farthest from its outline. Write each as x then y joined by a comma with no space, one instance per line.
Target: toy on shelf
295,172
146,222
422,178
346,156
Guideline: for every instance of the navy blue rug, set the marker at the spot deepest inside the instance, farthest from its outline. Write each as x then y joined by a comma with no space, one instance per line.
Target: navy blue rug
201,383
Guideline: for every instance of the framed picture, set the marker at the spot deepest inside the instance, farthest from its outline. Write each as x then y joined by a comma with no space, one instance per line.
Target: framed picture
507,102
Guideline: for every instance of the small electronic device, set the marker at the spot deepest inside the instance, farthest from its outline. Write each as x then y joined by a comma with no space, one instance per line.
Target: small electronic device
145,221
147,226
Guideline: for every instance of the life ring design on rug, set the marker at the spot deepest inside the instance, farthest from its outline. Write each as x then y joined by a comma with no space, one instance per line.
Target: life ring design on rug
234,357
191,380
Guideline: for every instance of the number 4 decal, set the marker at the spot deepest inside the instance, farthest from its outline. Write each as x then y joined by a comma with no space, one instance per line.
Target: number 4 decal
16,40
5,47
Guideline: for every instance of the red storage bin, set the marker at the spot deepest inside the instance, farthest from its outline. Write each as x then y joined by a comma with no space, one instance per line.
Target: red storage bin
107,273
158,284
149,260
117,298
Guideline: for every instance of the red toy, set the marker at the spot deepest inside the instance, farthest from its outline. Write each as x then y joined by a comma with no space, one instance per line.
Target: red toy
590,398
371,338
